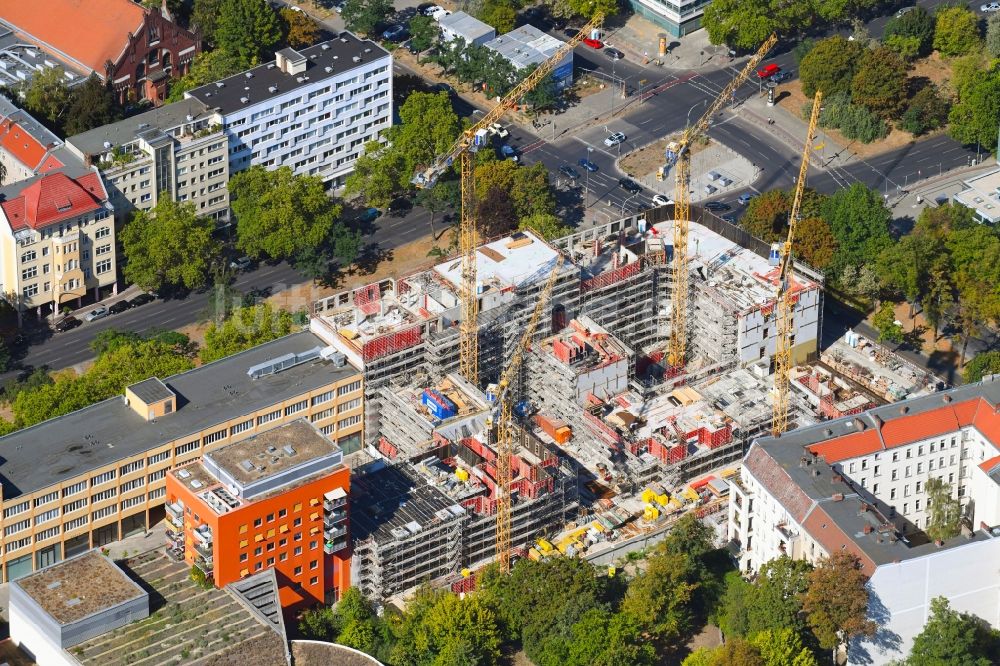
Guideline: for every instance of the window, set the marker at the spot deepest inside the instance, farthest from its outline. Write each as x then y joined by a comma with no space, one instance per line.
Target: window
30,290
29,273
297,407
895,474
159,457
920,450
916,505
103,495
214,437
282,513
920,468
919,484
185,448
131,467
864,463
102,478
16,509
282,557
47,534
19,526
321,398
76,523
353,403
157,493
906,490
877,470
895,456
349,388
906,508
314,580
76,506
875,489
133,484
257,522
157,475
244,557
103,266
314,564
105,512
267,418
313,545
297,522
28,256
270,517
349,421
906,471
258,566
298,550
241,427
45,499
892,493
102,249
318,416
78,487
297,571
270,546
51,514
133,501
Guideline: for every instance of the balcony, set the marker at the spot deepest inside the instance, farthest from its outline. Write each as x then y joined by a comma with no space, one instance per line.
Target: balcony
335,499
334,517
203,535
331,547
175,510
333,533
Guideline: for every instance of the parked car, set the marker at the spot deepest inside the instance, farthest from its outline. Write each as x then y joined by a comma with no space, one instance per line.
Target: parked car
100,312
662,200
768,70
399,205
499,130
370,215
630,186
717,206
587,164
119,307
614,54
730,218
781,77
429,8
594,43
990,7
440,14
241,263
67,323
508,152
744,199
904,10
569,171
141,299
614,139
396,33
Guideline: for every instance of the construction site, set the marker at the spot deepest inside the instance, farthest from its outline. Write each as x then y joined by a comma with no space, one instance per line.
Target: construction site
600,417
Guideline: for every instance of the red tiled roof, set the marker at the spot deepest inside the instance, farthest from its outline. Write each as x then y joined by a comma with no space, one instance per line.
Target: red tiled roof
777,481
849,446
53,198
51,162
825,531
924,425
25,148
987,421
988,465
89,31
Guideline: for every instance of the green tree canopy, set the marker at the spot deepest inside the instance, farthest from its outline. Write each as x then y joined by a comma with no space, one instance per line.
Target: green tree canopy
47,97
169,245
208,66
815,242
836,602
915,24
91,105
973,117
859,221
983,364
549,226
830,66
424,33
365,16
956,31
766,216
927,110
205,15
245,328
302,31
279,214
588,9
975,274
950,637
498,14
740,24
248,29
782,647
880,83
944,512
884,322
993,35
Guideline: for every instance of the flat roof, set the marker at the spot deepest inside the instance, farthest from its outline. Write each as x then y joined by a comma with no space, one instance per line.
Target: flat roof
466,26
280,448
983,194
521,258
80,586
385,503
151,390
325,60
164,118
526,46
64,447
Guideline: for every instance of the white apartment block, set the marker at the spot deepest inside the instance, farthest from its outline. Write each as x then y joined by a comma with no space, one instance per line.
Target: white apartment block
57,239
178,150
312,110
858,483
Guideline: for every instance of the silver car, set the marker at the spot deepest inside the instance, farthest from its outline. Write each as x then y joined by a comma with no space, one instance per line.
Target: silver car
99,312
614,139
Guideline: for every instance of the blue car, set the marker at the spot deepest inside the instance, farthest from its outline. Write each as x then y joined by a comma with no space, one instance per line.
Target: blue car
395,33
370,215
588,165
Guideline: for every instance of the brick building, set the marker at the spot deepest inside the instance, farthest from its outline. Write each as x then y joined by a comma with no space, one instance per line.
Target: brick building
135,48
277,499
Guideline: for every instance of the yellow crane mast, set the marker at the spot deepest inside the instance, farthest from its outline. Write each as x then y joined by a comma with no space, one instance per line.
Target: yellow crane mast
679,152
504,409
462,150
783,302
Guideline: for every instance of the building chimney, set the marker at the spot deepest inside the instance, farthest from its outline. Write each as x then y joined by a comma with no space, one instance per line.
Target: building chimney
838,497
878,421
946,398
868,529
836,478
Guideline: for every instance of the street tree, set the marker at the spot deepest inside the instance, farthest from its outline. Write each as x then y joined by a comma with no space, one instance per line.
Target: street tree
205,15
365,16
740,24
435,199
944,511
880,83
378,174
423,34
548,226
975,263
993,35
168,245
588,9
904,266
884,322
544,95
248,29
973,117
814,242
927,110
766,216
208,66
302,31
659,599
495,214
907,48
830,66
836,602
91,104
916,24
984,363
956,31
46,96
429,126
782,647
498,14
278,214
950,637
859,221
244,328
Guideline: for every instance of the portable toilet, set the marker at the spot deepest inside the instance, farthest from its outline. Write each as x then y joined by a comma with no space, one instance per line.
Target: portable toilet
774,256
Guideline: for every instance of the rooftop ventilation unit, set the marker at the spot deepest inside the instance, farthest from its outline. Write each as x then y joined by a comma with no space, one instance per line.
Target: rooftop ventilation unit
368,50
246,465
270,65
328,69
107,145
272,89
183,473
280,363
244,99
287,448
196,484
356,59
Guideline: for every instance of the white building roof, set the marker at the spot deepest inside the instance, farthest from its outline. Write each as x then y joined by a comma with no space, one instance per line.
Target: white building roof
525,46
983,196
467,27
509,262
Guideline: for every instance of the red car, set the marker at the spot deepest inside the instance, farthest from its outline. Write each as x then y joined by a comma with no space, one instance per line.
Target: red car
594,43
767,71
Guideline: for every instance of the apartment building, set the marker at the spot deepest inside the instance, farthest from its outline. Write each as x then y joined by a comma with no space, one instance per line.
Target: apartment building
27,148
677,17
312,110
57,238
859,484
178,151
85,479
276,500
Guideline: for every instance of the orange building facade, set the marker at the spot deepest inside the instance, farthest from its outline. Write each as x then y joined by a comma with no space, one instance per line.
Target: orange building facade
278,499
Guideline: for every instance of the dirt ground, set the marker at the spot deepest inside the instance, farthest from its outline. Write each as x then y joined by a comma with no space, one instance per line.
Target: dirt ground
917,328
933,68
648,159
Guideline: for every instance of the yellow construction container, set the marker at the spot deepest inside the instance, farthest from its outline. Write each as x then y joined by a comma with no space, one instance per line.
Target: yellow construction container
663,499
729,473
690,494
612,570
651,512
466,573
462,474
597,525
648,495
544,546
534,555
675,503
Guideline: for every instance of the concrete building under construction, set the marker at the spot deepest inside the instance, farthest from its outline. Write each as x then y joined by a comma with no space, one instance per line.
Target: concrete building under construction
599,416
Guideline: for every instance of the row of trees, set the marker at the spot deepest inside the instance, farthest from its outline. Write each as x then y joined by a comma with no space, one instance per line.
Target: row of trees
561,612
279,216
745,24
243,34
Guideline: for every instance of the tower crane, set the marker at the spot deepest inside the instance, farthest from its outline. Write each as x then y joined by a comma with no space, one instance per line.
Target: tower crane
503,412
462,150
679,152
783,297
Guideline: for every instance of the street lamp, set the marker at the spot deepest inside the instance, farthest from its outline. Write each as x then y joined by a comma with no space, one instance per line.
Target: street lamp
625,203
687,123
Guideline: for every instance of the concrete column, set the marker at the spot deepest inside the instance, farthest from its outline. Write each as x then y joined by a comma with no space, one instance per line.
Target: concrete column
97,293
114,288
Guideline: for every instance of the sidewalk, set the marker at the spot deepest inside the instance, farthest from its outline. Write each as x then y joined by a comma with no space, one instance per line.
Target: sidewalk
640,40
129,292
